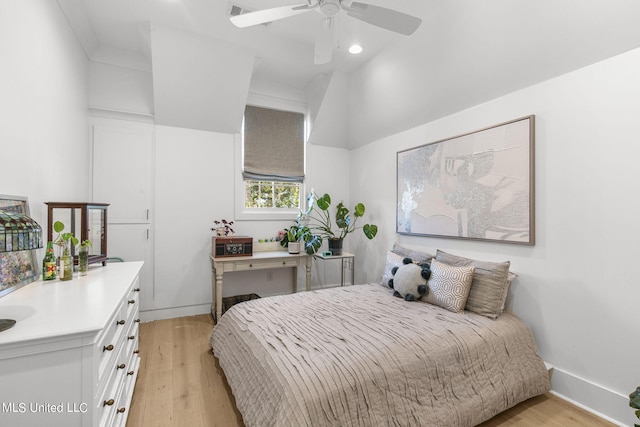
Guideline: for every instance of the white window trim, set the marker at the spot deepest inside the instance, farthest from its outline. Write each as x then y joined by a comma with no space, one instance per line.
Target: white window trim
266,214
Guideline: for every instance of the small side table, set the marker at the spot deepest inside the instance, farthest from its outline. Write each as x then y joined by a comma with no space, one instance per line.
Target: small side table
347,261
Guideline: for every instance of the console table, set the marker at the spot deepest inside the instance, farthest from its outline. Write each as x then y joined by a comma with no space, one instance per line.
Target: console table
257,261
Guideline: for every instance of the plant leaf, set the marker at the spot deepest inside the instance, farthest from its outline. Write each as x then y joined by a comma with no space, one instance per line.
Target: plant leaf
342,216
324,202
312,243
58,226
358,210
634,399
370,230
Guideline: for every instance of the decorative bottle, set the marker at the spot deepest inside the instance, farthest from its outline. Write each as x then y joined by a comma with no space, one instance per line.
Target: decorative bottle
66,264
49,263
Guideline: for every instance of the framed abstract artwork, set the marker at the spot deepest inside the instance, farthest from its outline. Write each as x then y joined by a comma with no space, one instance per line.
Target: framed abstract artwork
17,268
479,185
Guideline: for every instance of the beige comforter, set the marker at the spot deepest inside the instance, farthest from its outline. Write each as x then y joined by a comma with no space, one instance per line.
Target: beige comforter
357,356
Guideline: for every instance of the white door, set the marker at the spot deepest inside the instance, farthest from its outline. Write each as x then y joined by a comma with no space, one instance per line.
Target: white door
132,242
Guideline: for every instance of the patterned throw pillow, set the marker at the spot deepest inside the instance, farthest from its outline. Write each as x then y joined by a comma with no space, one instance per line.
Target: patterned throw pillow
490,283
449,286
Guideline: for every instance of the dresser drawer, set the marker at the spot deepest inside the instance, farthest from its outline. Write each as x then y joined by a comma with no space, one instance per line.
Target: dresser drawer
259,264
110,344
133,300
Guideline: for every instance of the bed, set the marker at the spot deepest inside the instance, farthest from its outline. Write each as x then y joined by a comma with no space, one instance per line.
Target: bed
357,356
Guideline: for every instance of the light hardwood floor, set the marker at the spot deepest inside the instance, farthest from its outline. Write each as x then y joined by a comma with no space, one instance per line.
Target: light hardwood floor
181,384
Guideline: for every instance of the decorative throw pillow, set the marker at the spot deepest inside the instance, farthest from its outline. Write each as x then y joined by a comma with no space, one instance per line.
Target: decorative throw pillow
449,286
393,260
418,257
489,287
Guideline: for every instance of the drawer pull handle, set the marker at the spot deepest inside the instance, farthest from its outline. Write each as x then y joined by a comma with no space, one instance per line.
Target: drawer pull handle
250,265
136,351
121,410
107,348
121,366
137,320
120,322
284,262
108,402
136,290
130,373
132,337
132,301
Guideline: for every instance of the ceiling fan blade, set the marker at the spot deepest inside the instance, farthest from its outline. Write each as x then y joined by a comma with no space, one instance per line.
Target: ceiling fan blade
385,18
324,43
268,15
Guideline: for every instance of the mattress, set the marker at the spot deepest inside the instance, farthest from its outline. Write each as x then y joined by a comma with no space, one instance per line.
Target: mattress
357,356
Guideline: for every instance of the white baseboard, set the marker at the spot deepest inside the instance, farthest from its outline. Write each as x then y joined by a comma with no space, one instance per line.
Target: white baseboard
600,401
193,310
170,313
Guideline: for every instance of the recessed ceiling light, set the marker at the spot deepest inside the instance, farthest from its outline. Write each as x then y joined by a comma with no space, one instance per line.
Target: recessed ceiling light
355,49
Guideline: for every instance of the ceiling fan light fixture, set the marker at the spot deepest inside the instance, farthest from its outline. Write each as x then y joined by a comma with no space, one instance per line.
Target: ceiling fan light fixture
355,49
330,8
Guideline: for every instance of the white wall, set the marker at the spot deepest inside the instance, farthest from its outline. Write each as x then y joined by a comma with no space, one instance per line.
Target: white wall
195,186
576,286
43,104
120,89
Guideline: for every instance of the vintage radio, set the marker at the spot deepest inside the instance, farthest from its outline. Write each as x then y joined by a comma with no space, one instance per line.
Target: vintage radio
227,246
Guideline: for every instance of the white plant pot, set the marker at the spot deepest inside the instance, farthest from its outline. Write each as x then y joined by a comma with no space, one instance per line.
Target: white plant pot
294,247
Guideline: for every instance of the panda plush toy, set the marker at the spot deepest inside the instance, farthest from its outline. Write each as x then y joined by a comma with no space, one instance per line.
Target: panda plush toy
409,280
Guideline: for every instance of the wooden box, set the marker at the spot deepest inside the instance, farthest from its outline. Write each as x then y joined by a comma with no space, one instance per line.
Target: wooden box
228,246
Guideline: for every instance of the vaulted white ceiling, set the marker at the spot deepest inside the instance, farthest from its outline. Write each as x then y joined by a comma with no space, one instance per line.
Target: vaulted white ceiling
465,52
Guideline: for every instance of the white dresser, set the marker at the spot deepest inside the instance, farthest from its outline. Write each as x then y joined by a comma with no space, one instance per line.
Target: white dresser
72,358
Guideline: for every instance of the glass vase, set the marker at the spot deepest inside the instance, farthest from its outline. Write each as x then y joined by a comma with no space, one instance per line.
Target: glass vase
66,265
83,260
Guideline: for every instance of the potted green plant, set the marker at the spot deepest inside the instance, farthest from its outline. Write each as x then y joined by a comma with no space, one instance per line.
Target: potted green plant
299,236
62,240
292,238
634,402
321,225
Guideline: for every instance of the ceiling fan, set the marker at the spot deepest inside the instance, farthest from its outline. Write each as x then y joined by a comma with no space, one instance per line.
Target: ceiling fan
379,16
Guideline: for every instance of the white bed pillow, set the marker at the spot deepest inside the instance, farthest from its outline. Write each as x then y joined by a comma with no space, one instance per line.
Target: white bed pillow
449,286
393,260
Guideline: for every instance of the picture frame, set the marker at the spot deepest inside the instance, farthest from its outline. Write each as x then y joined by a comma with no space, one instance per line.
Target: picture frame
17,268
479,185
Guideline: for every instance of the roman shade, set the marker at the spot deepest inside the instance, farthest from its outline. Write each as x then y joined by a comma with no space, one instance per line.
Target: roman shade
273,145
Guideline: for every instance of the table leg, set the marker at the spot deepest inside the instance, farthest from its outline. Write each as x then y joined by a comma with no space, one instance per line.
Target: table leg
353,271
295,279
218,296
342,266
308,275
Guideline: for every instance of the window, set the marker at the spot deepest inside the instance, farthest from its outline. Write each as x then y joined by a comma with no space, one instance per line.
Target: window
273,163
272,194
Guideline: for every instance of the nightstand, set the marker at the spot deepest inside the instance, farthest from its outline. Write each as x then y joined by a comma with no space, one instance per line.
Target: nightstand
347,262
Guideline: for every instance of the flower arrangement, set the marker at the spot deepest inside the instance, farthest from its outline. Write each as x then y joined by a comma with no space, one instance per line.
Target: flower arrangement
223,228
